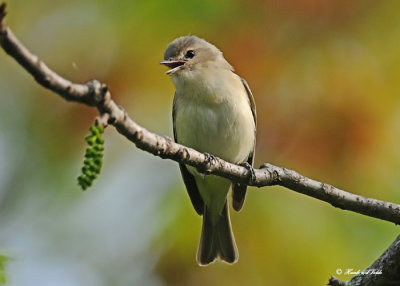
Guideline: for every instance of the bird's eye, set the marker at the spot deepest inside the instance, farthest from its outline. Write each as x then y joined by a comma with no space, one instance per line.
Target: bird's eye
190,54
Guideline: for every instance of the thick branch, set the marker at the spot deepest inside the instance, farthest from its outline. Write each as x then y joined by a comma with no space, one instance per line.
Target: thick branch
385,271
96,94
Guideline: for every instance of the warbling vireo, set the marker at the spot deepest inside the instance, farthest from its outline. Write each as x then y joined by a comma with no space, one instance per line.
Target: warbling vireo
213,112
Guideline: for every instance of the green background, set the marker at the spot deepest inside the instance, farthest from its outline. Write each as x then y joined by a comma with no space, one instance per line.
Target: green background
325,78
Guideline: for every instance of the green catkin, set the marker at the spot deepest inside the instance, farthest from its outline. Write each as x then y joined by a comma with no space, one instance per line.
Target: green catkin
93,157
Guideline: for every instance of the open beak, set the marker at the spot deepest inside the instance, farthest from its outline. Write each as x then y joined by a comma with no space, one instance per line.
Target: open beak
173,65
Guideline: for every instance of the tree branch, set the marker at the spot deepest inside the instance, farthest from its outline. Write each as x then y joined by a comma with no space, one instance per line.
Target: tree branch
94,93
385,271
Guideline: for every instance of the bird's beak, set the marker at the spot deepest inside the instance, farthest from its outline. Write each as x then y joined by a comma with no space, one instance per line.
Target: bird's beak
174,65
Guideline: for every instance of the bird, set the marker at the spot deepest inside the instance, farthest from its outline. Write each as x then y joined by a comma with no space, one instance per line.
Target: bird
213,112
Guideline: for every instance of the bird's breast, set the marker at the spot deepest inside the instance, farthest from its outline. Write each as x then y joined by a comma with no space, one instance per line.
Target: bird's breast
219,124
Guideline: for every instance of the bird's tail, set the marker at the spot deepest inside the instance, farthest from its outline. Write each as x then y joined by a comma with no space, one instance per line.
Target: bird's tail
217,239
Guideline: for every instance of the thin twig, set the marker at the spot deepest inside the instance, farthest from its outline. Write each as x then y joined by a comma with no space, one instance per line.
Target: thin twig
333,281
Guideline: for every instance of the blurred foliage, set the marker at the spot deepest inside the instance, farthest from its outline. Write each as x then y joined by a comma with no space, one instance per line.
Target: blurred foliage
3,259
325,78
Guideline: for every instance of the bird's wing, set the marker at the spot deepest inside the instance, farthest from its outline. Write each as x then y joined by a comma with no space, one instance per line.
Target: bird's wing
239,190
188,179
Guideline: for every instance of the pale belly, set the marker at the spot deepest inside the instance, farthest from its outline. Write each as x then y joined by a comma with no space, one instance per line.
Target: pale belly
223,130
216,118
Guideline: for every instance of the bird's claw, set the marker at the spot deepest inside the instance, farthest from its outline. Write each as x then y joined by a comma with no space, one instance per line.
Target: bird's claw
209,161
249,167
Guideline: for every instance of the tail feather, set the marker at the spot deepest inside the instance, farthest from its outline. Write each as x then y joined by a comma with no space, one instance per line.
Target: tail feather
217,240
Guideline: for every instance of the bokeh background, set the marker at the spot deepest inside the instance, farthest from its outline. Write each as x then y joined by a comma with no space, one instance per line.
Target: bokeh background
325,76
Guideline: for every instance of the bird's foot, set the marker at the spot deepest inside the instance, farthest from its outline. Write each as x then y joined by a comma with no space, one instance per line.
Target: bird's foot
209,160
252,176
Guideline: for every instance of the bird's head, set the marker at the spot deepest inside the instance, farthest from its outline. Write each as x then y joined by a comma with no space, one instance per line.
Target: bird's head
190,53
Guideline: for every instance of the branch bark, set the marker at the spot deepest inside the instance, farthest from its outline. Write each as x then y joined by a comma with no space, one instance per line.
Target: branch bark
96,94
